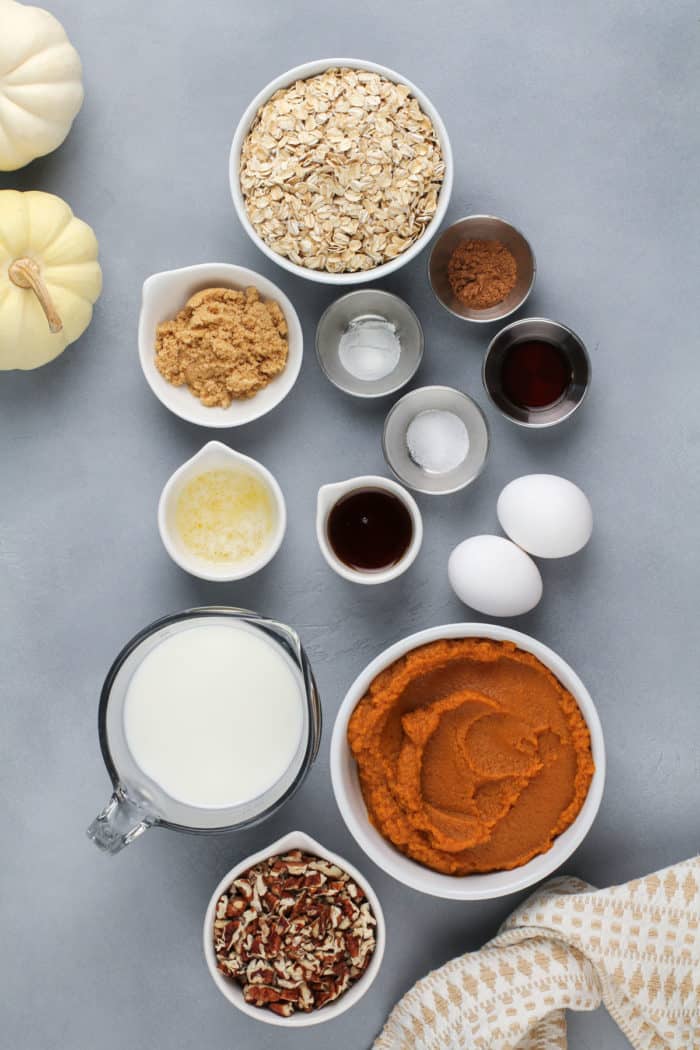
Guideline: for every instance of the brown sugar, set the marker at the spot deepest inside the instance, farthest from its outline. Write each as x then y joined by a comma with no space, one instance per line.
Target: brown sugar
224,345
481,273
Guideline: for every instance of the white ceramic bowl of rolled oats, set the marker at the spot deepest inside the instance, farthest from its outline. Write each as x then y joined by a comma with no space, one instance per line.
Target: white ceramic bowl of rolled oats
367,927
341,170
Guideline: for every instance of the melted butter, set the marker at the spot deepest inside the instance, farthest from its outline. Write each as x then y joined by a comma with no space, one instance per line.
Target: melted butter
225,515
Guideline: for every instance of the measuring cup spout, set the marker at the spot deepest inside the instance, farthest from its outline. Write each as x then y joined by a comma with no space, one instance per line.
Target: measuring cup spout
121,821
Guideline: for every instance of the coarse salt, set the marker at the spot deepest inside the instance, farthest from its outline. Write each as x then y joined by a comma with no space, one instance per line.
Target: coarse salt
437,441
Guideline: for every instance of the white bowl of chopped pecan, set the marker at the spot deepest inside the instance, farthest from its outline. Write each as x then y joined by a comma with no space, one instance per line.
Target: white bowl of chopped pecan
211,363
341,170
294,935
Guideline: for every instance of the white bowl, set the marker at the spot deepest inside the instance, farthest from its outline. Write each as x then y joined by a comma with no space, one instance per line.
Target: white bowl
303,72
328,496
165,294
216,456
348,795
233,992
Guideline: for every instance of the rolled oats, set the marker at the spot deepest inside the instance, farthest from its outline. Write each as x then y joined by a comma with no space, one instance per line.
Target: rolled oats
341,172
295,931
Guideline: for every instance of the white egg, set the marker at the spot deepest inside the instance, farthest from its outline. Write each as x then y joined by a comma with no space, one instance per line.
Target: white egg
494,576
546,515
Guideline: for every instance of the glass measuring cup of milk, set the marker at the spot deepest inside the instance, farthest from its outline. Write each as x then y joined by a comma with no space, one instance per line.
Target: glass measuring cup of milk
208,721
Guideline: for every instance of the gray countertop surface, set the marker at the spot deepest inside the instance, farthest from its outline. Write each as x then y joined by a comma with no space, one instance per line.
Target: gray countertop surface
578,123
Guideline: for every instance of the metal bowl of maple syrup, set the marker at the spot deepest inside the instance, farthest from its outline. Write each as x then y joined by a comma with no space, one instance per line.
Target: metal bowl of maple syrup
537,372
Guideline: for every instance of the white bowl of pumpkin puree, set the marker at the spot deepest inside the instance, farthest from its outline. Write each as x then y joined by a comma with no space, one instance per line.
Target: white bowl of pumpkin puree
468,761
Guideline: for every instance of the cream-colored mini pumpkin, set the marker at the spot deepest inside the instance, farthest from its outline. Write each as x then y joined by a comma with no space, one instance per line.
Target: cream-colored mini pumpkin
49,277
41,87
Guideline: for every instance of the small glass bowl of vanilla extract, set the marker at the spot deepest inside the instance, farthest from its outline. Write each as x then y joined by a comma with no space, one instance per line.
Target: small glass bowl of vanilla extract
536,372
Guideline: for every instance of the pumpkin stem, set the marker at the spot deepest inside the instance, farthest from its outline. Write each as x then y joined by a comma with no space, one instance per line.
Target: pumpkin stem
25,273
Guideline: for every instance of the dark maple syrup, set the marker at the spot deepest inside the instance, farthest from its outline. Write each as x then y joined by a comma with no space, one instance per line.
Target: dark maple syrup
535,374
369,529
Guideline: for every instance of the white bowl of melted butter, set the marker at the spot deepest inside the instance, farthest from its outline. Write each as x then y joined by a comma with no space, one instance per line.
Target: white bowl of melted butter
221,515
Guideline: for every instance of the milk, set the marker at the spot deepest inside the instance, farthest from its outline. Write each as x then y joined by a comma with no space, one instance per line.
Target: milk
214,715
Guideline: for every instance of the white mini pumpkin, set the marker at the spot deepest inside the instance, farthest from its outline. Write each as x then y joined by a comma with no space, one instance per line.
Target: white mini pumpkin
49,278
41,86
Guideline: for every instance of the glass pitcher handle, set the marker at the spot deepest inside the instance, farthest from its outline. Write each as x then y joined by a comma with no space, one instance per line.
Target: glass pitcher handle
121,821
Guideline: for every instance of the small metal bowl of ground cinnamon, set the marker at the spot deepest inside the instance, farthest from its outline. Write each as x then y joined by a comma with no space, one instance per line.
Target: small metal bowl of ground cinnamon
482,268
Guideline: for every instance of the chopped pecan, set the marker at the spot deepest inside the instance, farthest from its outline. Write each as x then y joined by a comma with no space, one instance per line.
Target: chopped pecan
295,932
258,972
326,868
283,1009
244,889
235,906
260,994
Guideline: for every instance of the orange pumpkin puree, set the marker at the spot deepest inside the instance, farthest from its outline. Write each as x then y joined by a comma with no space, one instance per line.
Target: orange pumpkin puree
472,756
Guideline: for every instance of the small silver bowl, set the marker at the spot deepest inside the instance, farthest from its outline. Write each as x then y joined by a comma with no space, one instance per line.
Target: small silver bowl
482,228
369,302
395,445
573,349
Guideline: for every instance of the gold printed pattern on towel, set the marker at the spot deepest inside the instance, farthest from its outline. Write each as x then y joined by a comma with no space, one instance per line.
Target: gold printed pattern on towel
634,948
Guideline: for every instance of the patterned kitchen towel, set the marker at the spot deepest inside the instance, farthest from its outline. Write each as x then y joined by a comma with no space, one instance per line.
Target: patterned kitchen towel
635,948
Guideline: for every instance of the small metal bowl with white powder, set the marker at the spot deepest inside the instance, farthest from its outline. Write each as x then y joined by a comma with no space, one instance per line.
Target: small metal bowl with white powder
436,440
369,343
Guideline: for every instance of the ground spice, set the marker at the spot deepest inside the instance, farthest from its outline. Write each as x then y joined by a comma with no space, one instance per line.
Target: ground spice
481,273
224,345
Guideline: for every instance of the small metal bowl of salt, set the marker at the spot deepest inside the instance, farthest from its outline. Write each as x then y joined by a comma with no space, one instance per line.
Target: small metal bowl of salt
369,343
436,440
